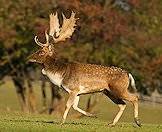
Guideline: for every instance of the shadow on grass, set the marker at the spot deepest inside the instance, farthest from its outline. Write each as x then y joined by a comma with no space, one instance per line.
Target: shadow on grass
32,121
47,122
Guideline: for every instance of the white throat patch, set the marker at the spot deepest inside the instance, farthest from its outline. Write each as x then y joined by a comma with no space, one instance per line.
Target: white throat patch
55,78
43,72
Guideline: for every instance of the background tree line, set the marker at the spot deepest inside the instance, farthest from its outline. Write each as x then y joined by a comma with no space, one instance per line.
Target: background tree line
123,33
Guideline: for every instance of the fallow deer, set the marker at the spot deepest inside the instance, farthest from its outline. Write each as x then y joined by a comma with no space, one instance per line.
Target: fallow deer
78,78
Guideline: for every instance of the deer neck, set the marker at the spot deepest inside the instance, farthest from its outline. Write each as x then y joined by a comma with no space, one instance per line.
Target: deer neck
55,70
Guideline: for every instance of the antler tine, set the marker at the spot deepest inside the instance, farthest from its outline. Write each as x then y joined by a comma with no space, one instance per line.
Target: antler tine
63,16
41,44
54,25
47,37
37,41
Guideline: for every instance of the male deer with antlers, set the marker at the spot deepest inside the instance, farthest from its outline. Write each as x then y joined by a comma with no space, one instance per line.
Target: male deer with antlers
78,78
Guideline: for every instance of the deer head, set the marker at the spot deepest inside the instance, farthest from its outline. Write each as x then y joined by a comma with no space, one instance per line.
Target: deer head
57,33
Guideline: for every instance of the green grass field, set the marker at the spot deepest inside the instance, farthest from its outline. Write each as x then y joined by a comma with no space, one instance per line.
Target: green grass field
11,118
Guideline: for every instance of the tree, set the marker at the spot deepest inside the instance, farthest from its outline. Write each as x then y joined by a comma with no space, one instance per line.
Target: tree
107,33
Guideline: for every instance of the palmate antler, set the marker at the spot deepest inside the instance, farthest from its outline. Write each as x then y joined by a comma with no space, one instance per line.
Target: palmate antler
67,29
59,33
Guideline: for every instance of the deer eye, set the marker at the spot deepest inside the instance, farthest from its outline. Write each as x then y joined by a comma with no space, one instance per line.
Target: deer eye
41,53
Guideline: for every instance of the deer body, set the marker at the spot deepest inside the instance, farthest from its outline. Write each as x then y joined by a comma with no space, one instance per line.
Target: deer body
83,78
78,78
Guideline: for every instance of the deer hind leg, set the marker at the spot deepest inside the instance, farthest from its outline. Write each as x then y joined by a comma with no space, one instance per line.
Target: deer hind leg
134,100
121,104
75,106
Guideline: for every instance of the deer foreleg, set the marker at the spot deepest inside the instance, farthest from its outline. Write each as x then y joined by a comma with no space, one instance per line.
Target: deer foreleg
69,103
75,106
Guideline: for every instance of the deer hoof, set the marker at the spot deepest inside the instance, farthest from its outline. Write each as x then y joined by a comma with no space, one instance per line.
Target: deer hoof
111,124
61,123
137,121
92,115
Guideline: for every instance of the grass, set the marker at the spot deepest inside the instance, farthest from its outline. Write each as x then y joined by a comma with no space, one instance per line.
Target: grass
21,122
11,118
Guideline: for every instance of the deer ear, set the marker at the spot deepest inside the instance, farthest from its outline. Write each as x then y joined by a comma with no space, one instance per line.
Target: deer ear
50,50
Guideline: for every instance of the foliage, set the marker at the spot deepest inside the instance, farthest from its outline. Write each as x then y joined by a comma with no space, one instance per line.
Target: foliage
106,34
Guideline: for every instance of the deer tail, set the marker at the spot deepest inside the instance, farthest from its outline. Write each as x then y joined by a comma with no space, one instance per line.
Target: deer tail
132,82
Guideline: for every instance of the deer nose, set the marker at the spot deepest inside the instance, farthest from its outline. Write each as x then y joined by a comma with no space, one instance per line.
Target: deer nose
30,59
